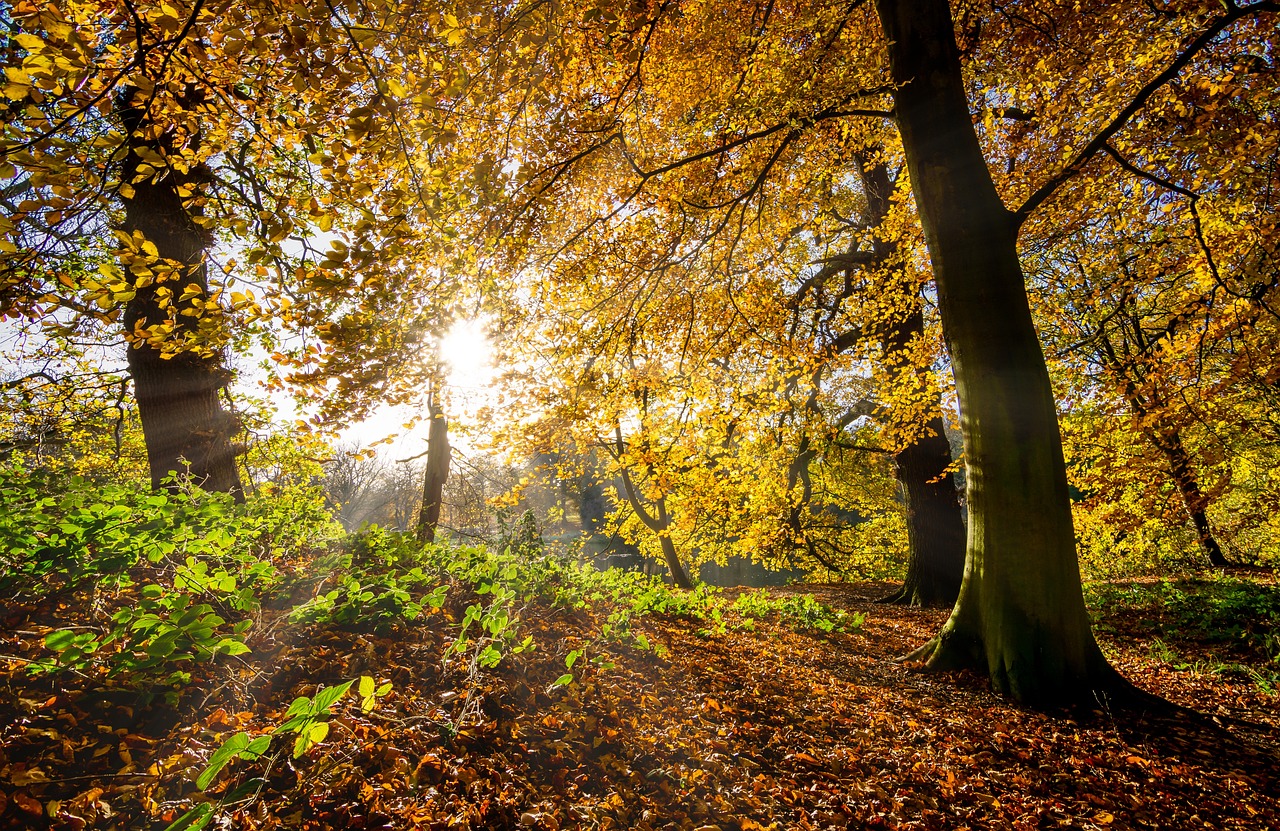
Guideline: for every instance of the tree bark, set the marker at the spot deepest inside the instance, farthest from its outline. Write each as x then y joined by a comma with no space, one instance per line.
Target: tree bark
438,452
678,574
1020,616
1196,503
935,525
659,525
185,428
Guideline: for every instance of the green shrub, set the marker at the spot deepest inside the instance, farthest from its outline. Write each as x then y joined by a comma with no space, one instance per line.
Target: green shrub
800,611
188,570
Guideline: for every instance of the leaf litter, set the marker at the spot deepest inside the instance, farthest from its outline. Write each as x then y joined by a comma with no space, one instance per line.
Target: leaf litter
736,727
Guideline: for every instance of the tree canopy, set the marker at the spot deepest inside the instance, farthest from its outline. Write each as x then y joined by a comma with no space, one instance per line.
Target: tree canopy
770,275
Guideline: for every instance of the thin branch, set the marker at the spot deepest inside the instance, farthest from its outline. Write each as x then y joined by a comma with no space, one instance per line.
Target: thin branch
1098,142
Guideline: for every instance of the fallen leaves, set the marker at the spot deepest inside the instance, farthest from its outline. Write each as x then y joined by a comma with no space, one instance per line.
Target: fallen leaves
768,729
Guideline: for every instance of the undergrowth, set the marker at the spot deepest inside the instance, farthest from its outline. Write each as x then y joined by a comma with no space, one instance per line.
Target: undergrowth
1221,625
178,582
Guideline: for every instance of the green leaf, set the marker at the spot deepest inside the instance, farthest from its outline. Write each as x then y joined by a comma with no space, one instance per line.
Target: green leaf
317,732
198,817
60,640
231,646
567,678
256,748
310,736
327,696
221,757
366,686
300,705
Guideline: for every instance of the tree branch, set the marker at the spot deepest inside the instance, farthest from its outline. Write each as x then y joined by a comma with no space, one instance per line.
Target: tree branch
1099,142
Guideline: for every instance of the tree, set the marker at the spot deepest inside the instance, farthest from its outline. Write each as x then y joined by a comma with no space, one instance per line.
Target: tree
190,153
753,290
1123,337
1154,279
434,476
922,461
178,391
1021,614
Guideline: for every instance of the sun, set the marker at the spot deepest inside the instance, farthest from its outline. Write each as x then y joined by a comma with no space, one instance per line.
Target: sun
466,350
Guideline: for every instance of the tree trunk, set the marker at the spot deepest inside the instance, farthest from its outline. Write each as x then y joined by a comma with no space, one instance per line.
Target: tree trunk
935,525
659,525
1197,504
433,480
177,377
678,575
1181,469
1020,616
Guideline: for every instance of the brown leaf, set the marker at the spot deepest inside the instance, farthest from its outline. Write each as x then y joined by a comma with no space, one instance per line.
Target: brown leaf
28,804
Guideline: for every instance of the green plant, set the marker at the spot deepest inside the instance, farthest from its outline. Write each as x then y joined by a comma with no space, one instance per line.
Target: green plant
160,636
307,720
177,576
801,611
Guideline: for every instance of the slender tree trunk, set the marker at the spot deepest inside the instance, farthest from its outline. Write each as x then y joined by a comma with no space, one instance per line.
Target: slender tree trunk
184,425
1020,616
935,525
678,575
659,524
1196,503
433,480
1181,469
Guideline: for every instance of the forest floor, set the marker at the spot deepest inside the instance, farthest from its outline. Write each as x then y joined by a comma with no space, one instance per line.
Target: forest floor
727,728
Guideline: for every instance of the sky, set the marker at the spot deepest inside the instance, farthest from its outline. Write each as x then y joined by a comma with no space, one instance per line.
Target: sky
467,352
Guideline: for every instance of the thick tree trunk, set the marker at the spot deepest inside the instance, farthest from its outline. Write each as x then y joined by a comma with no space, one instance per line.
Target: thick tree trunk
1020,616
177,378
438,452
935,527
935,524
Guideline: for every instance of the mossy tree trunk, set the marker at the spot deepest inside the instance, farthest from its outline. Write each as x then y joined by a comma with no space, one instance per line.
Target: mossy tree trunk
1020,616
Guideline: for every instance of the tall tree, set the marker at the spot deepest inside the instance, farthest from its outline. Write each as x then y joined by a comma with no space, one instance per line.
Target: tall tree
178,388
435,474
1021,614
922,463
